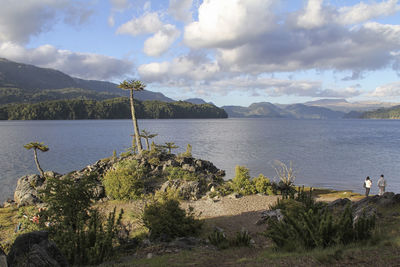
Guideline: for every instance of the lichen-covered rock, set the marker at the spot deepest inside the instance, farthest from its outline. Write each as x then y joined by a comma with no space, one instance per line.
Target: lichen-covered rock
34,249
188,190
28,187
26,192
270,214
339,203
3,258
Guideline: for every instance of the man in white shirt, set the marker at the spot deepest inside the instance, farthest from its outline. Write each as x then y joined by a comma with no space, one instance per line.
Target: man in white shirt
367,185
381,185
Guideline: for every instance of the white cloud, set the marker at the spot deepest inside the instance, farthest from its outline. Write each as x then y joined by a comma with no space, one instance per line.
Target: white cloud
312,16
81,65
181,70
387,90
228,23
148,23
180,10
160,42
20,21
363,12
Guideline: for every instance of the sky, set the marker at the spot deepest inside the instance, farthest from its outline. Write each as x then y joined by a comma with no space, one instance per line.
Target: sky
230,52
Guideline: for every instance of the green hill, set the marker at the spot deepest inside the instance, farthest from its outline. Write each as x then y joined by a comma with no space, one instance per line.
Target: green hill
22,83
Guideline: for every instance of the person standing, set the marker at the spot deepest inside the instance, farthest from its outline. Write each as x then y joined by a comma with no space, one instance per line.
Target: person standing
367,185
381,185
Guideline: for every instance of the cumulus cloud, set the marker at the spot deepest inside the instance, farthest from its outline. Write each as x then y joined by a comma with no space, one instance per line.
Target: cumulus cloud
181,71
81,65
180,10
387,90
19,22
148,23
228,23
160,42
363,12
312,16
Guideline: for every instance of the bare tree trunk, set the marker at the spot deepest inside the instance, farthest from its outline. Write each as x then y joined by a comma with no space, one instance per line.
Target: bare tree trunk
147,143
135,125
37,163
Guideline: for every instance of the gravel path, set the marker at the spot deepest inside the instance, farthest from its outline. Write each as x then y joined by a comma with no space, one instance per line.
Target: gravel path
228,206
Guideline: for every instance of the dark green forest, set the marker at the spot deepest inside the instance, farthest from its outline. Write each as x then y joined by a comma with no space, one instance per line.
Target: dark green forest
116,108
383,113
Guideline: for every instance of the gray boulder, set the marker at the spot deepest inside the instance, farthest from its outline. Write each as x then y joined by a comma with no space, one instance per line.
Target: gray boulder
28,186
188,190
270,214
34,249
3,258
339,203
26,192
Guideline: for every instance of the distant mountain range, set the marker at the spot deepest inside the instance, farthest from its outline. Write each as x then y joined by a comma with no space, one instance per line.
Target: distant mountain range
24,83
27,83
269,110
198,101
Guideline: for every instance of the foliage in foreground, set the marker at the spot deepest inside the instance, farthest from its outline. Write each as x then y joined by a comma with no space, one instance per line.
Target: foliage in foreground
218,239
166,220
79,230
308,225
125,181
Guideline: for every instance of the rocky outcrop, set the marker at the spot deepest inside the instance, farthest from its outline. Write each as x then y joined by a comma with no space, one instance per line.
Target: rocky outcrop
270,214
3,258
207,175
28,187
34,249
188,190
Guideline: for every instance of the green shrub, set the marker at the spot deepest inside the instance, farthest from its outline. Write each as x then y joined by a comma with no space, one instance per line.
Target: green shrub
166,220
242,239
241,182
78,229
125,181
317,227
225,188
262,185
218,239
177,173
187,153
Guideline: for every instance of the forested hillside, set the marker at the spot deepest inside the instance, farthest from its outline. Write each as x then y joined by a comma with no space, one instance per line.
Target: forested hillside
117,108
24,83
383,113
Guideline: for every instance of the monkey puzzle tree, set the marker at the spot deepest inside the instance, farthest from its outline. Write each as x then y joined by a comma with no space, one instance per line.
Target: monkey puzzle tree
146,137
36,146
170,146
134,85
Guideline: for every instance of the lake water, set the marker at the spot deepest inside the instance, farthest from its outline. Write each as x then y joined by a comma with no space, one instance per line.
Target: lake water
335,154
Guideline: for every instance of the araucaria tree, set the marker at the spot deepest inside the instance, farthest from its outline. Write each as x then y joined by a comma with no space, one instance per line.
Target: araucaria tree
146,137
134,85
170,146
36,146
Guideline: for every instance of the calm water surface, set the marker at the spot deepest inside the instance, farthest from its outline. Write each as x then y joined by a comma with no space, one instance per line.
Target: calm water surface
327,153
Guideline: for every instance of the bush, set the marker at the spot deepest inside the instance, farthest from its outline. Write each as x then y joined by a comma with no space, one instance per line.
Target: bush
241,182
242,239
125,181
218,239
263,185
317,227
166,220
78,229
177,173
